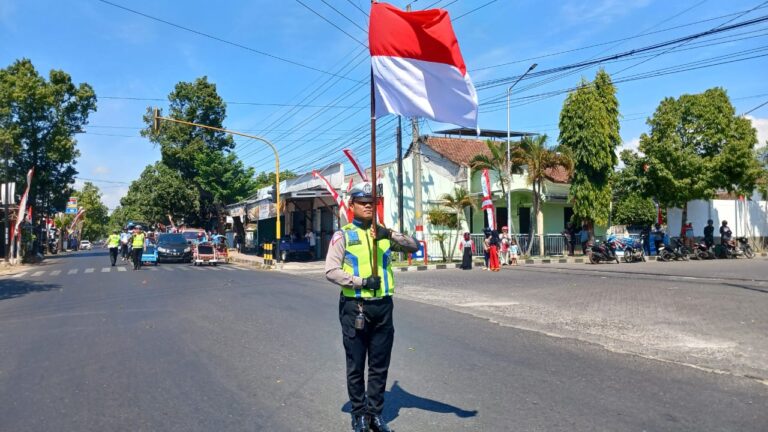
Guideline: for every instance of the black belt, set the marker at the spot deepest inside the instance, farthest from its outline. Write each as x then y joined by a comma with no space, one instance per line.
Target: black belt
367,299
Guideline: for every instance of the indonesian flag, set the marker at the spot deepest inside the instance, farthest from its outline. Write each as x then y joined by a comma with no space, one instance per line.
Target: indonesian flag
487,200
76,219
418,70
23,203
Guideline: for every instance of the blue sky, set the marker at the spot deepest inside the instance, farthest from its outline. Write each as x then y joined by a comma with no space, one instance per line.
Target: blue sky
122,54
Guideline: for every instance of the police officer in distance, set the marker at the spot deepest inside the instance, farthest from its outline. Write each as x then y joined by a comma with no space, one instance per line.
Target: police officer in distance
113,242
365,305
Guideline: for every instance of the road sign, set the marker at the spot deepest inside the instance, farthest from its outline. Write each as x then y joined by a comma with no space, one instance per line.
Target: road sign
71,206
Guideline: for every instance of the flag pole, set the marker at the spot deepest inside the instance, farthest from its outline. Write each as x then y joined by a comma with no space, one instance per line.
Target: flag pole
374,182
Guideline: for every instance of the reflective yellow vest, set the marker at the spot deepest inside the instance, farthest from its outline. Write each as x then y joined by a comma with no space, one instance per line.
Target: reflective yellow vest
138,241
358,261
113,241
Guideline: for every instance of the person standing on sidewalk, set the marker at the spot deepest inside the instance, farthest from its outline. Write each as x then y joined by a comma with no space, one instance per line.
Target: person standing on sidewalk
504,240
493,252
137,247
311,239
467,246
113,243
365,305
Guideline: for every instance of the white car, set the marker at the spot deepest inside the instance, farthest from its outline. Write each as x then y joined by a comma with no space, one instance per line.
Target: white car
85,245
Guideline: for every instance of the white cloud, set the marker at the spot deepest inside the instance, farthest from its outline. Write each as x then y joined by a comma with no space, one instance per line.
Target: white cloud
761,124
101,169
632,144
604,11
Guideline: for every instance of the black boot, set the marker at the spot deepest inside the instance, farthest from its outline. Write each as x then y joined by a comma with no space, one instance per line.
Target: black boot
378,424
359,423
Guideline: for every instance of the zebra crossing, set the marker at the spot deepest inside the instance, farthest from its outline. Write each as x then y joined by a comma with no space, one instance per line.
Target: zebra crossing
122,269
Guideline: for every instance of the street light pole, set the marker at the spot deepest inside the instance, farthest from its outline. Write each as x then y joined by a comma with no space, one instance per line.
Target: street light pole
509,138
156,125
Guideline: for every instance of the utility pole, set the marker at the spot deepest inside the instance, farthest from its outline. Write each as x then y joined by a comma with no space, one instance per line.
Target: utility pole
400,172
416,160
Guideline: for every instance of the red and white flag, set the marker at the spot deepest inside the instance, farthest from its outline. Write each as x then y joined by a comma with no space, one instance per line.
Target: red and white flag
488,200
23,203
418,70
355,163
334,194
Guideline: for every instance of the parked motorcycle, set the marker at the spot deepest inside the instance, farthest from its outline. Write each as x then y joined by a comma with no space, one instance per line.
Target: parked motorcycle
741,247
665,252
603,251
633,250
53,247
705,251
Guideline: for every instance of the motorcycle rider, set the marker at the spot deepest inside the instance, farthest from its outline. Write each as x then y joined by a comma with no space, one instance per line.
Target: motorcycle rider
726,236
709,233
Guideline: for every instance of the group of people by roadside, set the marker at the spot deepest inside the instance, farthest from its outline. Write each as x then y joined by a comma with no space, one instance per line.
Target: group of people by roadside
498,249
129,244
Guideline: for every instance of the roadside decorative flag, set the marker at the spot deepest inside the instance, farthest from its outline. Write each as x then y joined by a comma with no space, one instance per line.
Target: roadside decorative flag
334,194
355,163
76,219
487,200
417,67
23,203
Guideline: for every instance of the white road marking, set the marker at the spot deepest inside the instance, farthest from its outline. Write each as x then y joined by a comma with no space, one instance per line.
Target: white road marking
119,269
38,273
18,275
184,268
106,269
89,270
72,271
227,268
166,268
55,272
476,304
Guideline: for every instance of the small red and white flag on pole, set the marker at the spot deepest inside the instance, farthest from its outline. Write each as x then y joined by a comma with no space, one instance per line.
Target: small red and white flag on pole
418,70
487,200
334,194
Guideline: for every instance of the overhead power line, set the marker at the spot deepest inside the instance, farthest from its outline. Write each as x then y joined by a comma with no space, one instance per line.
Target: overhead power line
756,108
228,102
331,23
228,42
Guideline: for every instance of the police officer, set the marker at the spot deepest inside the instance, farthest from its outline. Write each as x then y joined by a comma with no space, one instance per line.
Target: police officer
365,305
137,247
113,242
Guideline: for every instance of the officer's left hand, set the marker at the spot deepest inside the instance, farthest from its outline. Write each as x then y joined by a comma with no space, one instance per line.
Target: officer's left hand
381,232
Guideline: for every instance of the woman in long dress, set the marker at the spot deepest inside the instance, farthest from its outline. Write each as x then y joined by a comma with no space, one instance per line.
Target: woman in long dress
468,247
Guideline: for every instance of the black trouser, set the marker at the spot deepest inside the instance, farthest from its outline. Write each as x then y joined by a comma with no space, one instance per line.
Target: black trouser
375,342
137,257
124,251
113,255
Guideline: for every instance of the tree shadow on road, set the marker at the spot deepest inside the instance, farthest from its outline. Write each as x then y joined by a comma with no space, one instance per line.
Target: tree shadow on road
10,289
397,398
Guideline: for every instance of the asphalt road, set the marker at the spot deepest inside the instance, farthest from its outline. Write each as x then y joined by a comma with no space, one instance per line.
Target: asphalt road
179,348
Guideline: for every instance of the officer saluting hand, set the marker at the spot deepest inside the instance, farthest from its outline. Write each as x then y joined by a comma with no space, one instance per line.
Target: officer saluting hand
365,305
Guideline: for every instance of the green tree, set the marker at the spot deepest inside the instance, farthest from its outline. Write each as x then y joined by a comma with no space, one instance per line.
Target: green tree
697,145
39,118
458,201
440,217
539,159
495,162
96,216
634,209
201,156
265,179
589,127
158,192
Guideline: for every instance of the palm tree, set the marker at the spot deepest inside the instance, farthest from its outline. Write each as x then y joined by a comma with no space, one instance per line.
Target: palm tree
496,162
458,201
538,158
